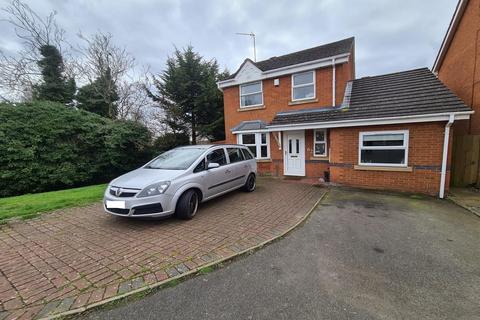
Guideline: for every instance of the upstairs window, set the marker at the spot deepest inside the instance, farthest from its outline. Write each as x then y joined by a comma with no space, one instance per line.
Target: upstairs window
387,148
320,143
303,86
251,94
258,143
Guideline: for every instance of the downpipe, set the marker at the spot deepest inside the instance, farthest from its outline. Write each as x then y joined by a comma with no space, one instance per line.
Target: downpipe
446,139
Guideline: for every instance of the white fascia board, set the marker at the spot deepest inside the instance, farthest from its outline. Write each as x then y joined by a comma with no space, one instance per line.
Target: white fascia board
371,122
309,65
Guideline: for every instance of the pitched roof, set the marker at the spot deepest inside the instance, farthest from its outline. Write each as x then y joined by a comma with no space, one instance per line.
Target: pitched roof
316,53
452,28
250,125
407,93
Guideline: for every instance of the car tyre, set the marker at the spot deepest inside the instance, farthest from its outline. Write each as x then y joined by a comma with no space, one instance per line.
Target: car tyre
187,205
250,184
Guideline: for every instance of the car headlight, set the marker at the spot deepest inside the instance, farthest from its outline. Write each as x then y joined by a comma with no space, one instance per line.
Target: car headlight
154,189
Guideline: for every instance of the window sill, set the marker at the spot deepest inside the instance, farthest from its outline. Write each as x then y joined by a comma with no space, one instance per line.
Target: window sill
319,158
383,168
264,160
293,103
251,108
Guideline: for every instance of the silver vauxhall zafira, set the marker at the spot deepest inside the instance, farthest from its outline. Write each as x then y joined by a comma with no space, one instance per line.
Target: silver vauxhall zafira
176,181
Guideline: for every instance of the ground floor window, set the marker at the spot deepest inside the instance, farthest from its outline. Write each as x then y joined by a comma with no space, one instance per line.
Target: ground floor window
320,143
383,148
258,143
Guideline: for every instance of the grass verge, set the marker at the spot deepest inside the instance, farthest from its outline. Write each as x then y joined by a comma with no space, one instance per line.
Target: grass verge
30,205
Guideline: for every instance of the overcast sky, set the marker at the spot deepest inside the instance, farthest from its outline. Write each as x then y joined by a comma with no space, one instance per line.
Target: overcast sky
390,35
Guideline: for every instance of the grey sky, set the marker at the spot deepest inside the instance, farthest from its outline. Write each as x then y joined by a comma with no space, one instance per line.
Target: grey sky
390,35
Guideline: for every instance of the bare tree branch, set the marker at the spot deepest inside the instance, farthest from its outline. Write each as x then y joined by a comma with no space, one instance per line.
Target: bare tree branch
20,72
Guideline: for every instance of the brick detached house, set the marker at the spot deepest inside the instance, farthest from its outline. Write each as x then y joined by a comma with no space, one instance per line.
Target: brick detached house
304,114
458,66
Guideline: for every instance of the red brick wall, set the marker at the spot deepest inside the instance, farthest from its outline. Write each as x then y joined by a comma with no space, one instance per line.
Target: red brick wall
424,155
314,166
460,69
276,99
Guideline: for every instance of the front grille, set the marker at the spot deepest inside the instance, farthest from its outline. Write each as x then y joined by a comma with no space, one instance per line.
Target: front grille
119,211
124,193
148,209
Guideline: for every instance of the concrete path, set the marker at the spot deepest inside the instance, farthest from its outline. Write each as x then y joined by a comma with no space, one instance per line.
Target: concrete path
361,255
468,198
76,258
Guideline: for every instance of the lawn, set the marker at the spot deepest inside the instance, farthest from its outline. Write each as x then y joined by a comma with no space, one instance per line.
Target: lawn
30,205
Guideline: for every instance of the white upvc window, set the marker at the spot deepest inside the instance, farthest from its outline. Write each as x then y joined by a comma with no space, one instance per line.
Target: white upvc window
383,148
251,94
320,142
258,143
303,86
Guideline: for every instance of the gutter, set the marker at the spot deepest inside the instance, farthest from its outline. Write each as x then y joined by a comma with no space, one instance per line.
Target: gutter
299,67
446,139
462,115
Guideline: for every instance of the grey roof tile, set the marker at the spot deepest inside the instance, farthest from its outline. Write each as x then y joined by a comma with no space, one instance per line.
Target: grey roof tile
250,125
413,92
316,53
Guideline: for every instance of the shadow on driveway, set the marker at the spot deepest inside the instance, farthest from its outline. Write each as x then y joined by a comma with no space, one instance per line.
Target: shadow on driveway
361,255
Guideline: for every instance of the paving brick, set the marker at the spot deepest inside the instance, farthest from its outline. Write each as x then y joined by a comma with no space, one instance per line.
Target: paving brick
12,304
125,287
181,268
81,300
161,275
110,291
96,296
65,305
150,278
172,272
48,309
52,258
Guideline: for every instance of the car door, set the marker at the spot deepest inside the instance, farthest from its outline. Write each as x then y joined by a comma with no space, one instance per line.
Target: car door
238,166
217,179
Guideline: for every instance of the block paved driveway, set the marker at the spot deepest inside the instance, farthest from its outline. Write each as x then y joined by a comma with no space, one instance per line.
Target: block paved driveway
360,255
75,257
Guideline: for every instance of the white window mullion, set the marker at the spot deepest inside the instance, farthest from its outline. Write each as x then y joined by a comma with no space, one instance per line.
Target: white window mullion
382,136
257,144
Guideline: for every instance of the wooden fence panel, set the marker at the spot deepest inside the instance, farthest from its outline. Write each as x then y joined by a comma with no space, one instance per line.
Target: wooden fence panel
466,159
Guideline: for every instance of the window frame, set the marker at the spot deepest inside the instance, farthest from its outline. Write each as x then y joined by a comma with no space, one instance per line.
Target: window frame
314,72
240,151
324,141
248,94
213,150
402,147
258,144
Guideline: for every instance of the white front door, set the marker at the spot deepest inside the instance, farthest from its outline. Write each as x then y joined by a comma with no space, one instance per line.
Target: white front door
294,153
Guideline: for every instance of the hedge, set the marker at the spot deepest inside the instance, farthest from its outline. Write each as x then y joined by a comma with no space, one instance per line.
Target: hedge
47,146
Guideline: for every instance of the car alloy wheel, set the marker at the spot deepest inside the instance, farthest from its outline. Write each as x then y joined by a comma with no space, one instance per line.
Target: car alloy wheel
251,184
193,204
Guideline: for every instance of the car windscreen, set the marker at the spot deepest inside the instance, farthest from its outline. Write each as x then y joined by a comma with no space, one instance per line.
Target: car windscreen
176,159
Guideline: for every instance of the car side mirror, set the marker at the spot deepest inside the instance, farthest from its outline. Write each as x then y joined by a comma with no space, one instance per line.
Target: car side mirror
213,165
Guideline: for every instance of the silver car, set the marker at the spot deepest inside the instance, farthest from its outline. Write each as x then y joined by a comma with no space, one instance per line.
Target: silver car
178,180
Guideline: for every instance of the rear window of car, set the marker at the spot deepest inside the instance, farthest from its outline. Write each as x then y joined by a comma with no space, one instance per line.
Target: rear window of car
235,155
217,156
247,155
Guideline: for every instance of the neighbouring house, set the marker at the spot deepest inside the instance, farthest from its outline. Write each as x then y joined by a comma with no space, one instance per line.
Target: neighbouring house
305,115
458,66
